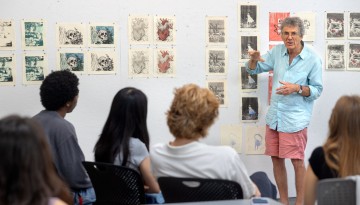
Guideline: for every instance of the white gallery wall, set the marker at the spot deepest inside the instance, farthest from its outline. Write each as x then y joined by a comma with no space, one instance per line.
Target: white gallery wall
97,91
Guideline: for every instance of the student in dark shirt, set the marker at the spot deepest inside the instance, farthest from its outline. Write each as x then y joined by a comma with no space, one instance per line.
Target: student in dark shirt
339,156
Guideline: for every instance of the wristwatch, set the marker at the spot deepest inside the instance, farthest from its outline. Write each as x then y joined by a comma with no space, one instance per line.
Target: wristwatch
300,90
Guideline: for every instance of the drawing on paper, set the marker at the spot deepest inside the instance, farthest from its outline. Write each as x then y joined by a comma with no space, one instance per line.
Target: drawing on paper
219,88
216,61
7,70
102,35
70,35
275,20
140,61
102,62
7,35
165,62
250,109
335,57
231,135
255,142
308,19
34,69
354,56
140,29
33,35
335,26
354,25
248,15
249,83
164,31
216,30
248,43
71,61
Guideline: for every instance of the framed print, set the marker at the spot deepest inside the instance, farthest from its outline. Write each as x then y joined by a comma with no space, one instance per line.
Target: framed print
335,26
34,68
140,62
250,109
255,139
354,25
216,61
219,88
164,62
354,56
33,34
72,61
248,42
216,30
7,70
164,30
275,19
248,16
231,135
249,83
103,35
335,56
102,62
7,35
308,19
140,29
70,35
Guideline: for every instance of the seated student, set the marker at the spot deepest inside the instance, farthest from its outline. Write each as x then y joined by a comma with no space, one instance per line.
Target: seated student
27,172
59,94
339,156
192,112
124,139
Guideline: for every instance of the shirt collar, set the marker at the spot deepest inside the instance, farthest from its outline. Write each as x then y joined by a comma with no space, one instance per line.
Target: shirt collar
302,54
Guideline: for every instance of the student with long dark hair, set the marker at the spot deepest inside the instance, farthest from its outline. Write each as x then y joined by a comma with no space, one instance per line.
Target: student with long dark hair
124,139
27,172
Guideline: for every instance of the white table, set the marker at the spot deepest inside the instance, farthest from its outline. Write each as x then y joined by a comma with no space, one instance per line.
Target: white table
226,202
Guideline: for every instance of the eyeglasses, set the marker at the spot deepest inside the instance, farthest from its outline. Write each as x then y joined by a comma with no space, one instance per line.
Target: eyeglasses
292,34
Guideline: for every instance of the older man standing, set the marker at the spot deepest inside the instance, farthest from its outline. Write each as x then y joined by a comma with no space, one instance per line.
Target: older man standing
297,82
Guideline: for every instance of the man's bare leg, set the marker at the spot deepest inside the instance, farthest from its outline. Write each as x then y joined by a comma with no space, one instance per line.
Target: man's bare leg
281,178
300,170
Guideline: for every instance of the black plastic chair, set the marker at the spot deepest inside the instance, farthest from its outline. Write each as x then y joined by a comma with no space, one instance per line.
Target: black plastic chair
197,189
336,191
115,184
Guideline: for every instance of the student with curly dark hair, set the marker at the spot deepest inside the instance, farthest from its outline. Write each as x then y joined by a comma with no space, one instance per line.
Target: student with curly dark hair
59,94
27,172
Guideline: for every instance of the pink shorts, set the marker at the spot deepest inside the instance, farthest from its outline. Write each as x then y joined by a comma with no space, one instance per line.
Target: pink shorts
285,145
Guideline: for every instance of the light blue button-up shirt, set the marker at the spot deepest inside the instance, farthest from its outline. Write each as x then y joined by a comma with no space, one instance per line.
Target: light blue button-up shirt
291,113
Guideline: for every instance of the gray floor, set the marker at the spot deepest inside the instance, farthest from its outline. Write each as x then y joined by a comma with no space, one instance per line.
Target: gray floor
291,200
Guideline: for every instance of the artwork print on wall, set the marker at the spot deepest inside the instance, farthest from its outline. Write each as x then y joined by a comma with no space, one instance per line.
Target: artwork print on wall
33,34
7,70
7,35
103,35
71,61
165,62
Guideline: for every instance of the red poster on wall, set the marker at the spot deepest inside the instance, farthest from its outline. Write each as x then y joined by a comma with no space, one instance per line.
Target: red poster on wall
275,19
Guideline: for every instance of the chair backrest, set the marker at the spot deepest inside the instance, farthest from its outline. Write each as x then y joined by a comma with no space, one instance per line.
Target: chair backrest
336,191
115,184
196,189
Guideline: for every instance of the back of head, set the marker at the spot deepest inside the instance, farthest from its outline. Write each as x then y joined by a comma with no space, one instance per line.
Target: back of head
58,88
342,148
294,22
27,174
127,118
192,112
